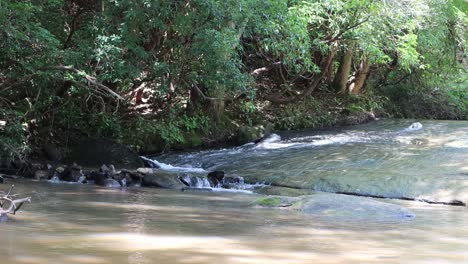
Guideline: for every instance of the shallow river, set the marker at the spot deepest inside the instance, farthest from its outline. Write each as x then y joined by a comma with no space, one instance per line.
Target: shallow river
71,223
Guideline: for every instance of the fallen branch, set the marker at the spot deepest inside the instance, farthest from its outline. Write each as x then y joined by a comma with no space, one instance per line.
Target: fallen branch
9,205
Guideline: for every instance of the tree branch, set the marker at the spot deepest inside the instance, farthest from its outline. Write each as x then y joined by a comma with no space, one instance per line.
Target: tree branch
89,78
325,67
337,37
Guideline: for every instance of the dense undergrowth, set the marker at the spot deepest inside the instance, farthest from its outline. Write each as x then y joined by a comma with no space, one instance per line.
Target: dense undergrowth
161,75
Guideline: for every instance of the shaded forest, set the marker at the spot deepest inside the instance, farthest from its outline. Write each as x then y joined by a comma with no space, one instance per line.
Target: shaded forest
161,75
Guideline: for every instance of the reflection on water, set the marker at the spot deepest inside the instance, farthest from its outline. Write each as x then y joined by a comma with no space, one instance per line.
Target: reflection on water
82,224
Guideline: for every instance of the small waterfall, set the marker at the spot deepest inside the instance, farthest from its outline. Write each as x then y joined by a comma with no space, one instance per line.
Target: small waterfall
168,167
195,181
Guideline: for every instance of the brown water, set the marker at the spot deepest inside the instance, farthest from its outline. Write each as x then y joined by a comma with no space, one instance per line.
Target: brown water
70,223
83,224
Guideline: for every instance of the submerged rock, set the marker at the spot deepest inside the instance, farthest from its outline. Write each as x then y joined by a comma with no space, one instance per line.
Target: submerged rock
347,207
110,183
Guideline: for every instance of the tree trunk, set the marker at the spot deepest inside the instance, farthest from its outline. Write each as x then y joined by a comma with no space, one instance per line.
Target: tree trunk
214,106
216,109
360,76
342,75
325,66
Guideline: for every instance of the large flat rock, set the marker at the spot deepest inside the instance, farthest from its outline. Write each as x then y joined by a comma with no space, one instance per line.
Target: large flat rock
353,208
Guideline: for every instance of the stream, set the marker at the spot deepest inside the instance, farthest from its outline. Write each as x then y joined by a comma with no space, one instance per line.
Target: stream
420,167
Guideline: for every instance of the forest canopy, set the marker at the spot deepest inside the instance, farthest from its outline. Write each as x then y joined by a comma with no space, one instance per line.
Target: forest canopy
141,70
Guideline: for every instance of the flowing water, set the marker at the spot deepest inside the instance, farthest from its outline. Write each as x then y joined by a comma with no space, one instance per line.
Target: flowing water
72,223
390,158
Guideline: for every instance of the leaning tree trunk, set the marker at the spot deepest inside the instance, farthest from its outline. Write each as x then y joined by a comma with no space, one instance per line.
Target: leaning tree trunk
342,75
325,64
214,106
360,77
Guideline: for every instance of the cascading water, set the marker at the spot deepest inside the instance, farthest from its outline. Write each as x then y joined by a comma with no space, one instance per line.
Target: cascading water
390,159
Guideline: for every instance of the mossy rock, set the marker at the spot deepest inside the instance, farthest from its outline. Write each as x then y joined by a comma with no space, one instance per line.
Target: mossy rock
246,134
269,201
274,201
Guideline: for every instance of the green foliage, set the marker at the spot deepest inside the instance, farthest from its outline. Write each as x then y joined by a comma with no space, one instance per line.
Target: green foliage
165,133
13,136
439,89
367,103
308,114
62,63
248,112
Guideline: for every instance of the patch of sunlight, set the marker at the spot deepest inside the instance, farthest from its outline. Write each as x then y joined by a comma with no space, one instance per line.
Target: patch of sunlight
141,207
30,259
457,144
133,242
452,164
83,259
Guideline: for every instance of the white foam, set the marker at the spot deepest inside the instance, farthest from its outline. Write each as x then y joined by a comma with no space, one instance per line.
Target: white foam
414,127
272,138
314,141
56,179
169,167
277,145
338,140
